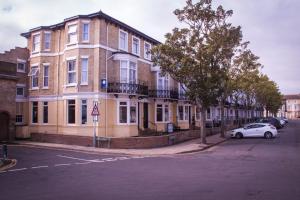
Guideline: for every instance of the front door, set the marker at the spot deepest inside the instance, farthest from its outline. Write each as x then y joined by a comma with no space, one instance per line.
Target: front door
145,115
4,124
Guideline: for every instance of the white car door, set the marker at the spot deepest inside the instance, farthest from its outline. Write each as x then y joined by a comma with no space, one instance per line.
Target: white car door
249,131
258,130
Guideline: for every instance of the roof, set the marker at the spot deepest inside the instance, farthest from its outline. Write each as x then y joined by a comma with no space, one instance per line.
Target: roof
99,15
291,96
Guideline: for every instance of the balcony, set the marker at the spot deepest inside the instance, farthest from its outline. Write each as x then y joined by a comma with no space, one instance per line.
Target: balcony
163,94
127,88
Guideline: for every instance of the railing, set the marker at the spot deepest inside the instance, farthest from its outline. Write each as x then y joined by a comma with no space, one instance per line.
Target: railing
127,88
165,94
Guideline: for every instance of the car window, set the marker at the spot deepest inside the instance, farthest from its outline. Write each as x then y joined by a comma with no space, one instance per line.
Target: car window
260,125
251,126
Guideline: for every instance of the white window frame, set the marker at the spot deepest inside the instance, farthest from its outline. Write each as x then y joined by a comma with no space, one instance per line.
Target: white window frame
34,70
36,45
164,79
72,33
128,105
128,67
20,61
22,117
88,32
185,118
85,71
199,114
73,71
138,47
23,88
48,66
164,105
82,104
147,56
126,40
45,42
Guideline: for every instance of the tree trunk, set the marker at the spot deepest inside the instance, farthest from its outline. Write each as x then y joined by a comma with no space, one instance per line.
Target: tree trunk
203,131
222,120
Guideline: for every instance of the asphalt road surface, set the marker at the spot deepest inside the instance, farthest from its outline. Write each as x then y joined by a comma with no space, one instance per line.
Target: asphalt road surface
237,169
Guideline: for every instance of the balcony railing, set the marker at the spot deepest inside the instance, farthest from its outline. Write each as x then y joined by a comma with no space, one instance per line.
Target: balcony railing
127,88
164,94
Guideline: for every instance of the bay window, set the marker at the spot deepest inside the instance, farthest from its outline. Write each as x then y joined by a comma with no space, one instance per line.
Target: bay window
36,43
128,72
147,51
85,32
71,72
127,112
34,77
71,111
47,40
72,34
46,76
183,112
34,112
84,71
83,111
162,82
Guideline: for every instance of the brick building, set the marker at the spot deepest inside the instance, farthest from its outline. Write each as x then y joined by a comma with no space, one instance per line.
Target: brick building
96,58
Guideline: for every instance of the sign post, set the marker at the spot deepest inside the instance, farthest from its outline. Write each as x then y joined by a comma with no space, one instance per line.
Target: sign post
95,114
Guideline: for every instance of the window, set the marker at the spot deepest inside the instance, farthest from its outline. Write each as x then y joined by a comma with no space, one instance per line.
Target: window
71,111
123,112
47,40
159,113
34,77
123,40
72,34
208,113
162,82
166,113
71,71
83,111
181,90
186,113
132,72
198,113
36,43
45,112
133,112
183,112
127,112
21,65
147,51
135,46
46,76
19,118
85,32
162,113
20,91
84,71
35,112
128,74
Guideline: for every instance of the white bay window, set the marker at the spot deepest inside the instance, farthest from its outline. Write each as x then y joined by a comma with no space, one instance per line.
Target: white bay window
162,112
72,34
128,72
127,113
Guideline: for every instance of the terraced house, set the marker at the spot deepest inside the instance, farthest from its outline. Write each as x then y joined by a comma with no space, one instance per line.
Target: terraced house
96,58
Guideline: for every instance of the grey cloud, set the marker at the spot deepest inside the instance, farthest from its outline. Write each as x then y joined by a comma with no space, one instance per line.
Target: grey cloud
7,8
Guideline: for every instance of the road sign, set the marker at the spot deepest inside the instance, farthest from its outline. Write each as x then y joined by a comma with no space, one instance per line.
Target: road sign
95,111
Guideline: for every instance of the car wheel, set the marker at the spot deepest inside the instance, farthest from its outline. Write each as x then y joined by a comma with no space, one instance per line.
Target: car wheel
239,135
268,135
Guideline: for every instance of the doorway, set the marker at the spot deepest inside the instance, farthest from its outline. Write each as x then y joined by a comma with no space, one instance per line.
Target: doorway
4,124
145,115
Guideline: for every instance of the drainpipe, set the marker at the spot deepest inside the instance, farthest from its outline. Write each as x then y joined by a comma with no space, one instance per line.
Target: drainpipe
58,62
106,58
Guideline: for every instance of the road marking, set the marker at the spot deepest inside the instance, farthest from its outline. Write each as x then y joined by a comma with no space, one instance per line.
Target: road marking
83,163
38,167
122,158
137,157
81,159
109,159
57,165
14,170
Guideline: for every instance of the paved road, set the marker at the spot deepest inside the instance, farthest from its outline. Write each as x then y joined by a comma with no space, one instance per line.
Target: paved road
238,169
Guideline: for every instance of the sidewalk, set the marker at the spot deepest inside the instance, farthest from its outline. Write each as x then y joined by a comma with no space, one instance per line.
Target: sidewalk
185,147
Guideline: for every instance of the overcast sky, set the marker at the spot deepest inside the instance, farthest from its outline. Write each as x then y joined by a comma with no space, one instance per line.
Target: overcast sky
271,26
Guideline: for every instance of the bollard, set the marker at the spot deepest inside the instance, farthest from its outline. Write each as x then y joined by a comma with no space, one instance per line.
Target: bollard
4,148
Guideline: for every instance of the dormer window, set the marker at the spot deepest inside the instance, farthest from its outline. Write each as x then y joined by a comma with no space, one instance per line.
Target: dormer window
72,34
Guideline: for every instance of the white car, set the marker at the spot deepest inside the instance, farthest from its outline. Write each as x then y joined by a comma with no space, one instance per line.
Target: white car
255,130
